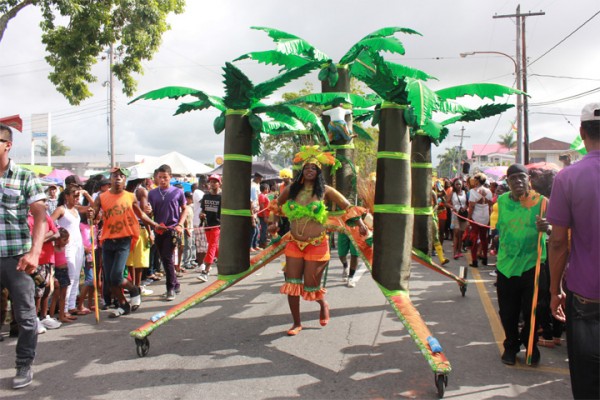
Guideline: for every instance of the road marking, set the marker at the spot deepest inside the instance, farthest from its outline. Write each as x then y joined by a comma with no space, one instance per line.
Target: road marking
497,329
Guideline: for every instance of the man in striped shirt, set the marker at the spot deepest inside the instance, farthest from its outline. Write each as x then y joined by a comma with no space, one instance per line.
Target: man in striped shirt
21,192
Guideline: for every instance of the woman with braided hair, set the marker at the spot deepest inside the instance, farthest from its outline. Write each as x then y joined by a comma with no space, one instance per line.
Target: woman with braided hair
307,252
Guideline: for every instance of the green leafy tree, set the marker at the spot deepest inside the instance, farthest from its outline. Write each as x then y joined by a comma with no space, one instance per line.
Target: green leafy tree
449,161
57,148
508,140
77,32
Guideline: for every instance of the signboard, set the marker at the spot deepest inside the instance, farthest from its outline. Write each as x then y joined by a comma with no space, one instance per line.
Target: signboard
40,126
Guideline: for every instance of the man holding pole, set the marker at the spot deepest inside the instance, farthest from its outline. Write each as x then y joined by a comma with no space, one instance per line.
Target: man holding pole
576,206
120,231
519,223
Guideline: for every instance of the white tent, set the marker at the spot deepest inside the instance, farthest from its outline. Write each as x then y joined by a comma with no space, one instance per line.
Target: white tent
180,165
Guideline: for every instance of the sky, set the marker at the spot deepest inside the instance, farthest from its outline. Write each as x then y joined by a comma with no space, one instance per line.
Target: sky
210,33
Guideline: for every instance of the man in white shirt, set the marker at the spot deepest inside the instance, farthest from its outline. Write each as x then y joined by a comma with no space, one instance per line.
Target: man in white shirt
339,131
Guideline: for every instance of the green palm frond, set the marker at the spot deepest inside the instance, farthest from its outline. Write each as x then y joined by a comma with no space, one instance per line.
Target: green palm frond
276,126
361,114
450,107
403,70
238,88
266,88
485,111
389,31
433,129
290,44
423,100
362,133
306,117
334,98
169,92
273,57
481,90
371,69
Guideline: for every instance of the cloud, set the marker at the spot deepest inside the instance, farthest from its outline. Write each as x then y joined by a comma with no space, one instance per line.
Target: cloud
210,33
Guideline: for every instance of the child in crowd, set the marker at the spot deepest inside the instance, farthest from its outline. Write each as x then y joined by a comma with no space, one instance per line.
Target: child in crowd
61,273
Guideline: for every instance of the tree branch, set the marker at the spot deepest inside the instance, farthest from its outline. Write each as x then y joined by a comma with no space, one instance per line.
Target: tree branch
10,14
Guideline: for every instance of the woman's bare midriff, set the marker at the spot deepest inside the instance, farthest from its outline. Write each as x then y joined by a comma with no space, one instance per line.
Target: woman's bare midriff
305,233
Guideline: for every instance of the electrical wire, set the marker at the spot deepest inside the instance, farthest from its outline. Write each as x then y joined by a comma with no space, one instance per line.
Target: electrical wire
565,38
564,99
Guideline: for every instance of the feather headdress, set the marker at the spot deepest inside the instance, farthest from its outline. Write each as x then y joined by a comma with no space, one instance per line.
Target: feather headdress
313,155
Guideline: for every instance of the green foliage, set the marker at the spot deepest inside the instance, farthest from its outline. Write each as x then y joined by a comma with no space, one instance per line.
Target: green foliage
449,160
272,57
76,33
331,99
238,88
481,90
380,77
57,147
508,140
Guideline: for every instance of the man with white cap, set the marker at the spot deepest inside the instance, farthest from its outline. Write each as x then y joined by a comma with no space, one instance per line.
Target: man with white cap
575,206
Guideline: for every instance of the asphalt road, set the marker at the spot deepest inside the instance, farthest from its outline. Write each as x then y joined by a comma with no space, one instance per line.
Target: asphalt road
235,346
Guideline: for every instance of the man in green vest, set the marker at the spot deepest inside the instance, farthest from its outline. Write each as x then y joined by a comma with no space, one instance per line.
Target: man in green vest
519,222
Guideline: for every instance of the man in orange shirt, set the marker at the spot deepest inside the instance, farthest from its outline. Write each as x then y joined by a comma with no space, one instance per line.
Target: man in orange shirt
121,230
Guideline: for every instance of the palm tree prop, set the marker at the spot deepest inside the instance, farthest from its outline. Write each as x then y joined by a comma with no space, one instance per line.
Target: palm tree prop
292,51
241,109
424,130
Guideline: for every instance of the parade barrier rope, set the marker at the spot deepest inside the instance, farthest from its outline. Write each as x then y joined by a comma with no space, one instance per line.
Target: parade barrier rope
536,287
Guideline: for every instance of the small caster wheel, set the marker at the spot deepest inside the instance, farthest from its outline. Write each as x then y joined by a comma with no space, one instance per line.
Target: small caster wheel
463,290
441,381
142,347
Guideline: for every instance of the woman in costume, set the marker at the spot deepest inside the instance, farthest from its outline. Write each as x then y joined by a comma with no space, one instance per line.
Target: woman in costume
307,252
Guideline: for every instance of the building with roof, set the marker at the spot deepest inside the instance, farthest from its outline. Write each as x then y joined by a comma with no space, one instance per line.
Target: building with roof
549,150
491,154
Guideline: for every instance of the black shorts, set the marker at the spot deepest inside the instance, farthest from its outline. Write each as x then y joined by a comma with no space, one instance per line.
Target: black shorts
62,276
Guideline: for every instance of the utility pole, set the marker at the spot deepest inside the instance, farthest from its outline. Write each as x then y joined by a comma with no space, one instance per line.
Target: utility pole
112,107
523,138
462,136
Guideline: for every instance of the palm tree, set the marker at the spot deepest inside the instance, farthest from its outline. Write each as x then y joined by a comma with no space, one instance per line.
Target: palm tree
508,140
57,147
240,119
449,159
292,51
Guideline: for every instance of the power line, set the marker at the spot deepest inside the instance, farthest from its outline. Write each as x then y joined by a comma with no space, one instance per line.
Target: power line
565,38
573,97
565,77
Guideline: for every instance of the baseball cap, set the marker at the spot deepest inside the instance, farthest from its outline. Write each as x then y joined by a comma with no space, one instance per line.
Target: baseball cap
215,177
123,170
73,180
591,112
516,169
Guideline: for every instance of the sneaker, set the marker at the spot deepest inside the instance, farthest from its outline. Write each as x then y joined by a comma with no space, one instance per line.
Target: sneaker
351,282
509,358
51,323
200,268
145,291
493,273
23,378
170,295
135,299
40,328
345,274
446,261
178,290
203,277
123,309
474,264
484,260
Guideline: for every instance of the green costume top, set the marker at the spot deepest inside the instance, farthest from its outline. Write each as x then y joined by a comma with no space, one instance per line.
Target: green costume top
517,252
315,210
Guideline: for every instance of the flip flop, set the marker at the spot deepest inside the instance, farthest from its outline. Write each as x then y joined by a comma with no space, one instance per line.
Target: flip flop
84,311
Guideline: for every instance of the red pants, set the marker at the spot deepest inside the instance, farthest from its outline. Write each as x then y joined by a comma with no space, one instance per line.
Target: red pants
212,237
481,233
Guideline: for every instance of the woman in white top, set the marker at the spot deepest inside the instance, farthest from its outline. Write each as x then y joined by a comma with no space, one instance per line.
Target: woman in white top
67,216
480,203
458,201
